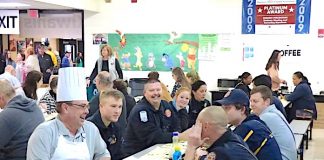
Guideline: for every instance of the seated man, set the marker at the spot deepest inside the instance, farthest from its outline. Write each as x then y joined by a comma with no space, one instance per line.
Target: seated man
266,80
110,108
249,126
19,118
211,130
261,98
69,136
151,121
103,82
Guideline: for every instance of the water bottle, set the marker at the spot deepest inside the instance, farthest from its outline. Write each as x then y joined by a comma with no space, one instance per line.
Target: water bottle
176,153
175,139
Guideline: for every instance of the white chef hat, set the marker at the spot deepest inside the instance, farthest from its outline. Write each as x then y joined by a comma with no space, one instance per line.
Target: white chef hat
71,84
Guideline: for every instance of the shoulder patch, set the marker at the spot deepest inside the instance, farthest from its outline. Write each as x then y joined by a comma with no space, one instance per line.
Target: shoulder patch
211,156
143,116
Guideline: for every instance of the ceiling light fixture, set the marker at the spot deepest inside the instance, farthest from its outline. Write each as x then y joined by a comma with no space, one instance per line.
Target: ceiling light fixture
13,4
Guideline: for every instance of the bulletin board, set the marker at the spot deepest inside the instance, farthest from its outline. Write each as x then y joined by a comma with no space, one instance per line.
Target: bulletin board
155,52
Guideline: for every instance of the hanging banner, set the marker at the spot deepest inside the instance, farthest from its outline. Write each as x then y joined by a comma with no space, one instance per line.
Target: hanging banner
9,21
276,16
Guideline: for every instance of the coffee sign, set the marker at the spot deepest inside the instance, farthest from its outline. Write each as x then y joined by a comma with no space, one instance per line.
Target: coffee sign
9,21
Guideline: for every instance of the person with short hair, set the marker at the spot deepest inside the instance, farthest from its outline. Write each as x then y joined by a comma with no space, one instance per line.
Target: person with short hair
211,130
49,98
103,82
45,63
266,81
165,93
248,126
110,108
69,136
260,103
19,118
151,121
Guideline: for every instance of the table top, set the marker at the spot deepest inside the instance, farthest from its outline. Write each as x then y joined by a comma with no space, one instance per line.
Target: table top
284,102
298,140
299,126
158,151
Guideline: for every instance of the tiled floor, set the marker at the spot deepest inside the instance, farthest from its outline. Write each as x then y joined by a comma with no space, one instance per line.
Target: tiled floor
316,146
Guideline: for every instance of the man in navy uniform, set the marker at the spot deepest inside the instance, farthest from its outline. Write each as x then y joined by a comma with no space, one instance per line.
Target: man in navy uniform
110,108
151,121
211,130
250,127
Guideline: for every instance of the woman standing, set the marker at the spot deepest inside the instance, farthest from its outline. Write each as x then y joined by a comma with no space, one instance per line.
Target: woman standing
180,80
302,99
9,60
246,80
21,68
79,60
107,62
31,62
272,69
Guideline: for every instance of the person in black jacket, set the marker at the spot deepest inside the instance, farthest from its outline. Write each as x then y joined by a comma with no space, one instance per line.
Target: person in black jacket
246,80
211,130
104,83
302,99
198,101
120,85
111,102
107,62
151,121
250,127
180,106
46,64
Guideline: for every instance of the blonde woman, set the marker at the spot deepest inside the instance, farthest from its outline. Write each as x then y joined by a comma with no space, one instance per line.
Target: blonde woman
180,80
180,106
31,62
107,62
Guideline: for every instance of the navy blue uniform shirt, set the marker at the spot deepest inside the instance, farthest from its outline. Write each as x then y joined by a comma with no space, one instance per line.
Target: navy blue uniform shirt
111,135
194,109
181,115
259,138
147,126
229,147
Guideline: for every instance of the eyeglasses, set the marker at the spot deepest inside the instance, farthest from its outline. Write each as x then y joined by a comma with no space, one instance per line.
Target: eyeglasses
81,106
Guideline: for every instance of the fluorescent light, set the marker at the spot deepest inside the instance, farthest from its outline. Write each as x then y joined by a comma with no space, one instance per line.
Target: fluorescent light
13,4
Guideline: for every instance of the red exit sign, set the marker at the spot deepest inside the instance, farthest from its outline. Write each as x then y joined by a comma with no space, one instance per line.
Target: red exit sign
134,1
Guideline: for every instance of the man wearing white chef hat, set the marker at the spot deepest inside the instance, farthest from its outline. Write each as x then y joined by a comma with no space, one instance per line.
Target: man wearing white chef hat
69,136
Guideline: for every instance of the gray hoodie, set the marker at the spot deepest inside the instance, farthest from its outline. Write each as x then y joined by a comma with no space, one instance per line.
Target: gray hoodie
17,122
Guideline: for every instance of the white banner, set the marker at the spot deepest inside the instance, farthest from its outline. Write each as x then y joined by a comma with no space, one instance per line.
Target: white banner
52,26
9,21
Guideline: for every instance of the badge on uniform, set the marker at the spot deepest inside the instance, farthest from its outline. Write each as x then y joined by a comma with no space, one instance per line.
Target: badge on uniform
211,156
143,116
167,113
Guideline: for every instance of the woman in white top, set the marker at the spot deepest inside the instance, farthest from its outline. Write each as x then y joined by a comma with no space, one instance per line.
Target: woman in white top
31,62
272,69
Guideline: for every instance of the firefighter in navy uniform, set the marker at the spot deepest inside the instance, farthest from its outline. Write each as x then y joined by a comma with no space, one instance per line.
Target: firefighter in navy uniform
250,127
106,120
198,101
211,130
151,121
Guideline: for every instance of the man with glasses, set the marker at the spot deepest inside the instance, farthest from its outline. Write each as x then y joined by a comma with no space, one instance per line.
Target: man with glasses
69,136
